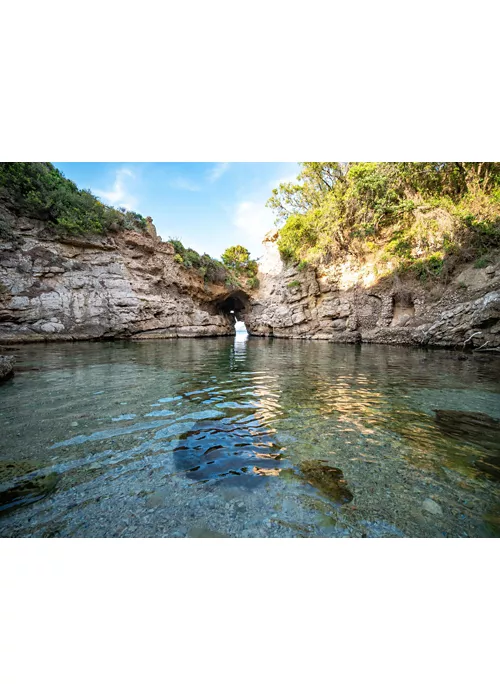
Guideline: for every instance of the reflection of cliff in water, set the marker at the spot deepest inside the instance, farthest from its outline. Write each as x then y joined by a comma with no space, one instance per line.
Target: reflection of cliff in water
370,390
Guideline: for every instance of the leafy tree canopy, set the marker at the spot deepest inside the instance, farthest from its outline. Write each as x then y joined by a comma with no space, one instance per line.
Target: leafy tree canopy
236,257
41,191
339,208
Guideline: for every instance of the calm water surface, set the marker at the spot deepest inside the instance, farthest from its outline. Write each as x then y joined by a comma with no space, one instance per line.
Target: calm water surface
246,437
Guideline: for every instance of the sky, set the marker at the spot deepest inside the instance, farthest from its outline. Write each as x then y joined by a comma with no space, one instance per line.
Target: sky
209,206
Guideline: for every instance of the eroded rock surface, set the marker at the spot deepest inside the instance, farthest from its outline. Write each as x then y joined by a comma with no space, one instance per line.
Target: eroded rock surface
349,306
124,285
129,285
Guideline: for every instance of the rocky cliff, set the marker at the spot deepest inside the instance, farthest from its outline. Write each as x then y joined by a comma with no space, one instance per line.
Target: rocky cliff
348,304
125,284
128,284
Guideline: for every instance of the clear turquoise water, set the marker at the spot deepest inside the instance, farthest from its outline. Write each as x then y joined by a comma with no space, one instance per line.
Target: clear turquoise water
246,437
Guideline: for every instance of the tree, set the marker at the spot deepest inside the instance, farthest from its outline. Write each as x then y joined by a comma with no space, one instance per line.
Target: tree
336,209
315,182
236,257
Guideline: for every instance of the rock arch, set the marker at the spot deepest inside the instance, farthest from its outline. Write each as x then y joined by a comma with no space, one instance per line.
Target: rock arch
234,305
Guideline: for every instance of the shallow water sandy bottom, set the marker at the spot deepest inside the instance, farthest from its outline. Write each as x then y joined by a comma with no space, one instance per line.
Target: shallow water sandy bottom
245,438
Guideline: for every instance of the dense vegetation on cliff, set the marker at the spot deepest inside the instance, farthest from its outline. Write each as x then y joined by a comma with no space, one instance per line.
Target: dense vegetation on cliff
410,217
40,191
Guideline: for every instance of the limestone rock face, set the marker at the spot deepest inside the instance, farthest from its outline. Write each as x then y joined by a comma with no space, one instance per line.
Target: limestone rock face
341,305
127,285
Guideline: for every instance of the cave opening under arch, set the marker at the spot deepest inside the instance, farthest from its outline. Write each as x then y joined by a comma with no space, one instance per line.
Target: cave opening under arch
234,305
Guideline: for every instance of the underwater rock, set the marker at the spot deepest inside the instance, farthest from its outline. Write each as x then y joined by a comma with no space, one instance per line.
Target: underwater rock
6,367
27,491
490,464
329,480
432,507
474,427
478,429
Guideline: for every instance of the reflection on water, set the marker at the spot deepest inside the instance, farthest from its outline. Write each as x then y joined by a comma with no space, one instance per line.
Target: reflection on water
249,437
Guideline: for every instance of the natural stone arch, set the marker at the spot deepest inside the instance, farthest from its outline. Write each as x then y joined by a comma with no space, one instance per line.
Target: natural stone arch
235,305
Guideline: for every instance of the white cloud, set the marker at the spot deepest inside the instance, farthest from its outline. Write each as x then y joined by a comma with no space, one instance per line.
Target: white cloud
253,220
217,171
182,183
118,195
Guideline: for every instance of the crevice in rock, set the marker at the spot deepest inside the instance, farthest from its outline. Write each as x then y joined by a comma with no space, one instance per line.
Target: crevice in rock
403,308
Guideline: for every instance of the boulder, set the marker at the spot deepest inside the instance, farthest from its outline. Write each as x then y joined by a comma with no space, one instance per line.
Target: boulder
6,367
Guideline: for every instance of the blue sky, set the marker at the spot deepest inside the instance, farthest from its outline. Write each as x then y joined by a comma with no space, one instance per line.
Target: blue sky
209,206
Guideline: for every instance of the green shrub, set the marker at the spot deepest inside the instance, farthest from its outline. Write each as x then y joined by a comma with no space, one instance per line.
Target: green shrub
132,220
207,267
400,245
253,283
191,258
297,236
237,258
481,263
293,284
177,246
5,228
423,268
40,190
340,209
213,270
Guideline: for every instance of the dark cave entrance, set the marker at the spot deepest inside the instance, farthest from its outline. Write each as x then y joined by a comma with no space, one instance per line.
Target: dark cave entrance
234,305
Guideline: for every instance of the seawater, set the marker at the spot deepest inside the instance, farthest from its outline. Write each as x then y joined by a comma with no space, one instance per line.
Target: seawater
244,437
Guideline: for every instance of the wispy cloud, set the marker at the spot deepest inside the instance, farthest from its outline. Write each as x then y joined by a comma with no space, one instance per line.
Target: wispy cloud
118,196
182,183
253,220
217,171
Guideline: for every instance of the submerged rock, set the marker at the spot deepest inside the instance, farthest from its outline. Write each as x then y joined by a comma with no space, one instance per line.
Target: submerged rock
476,427
490,464
329,480
27,491
6,367
262,471
432,507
